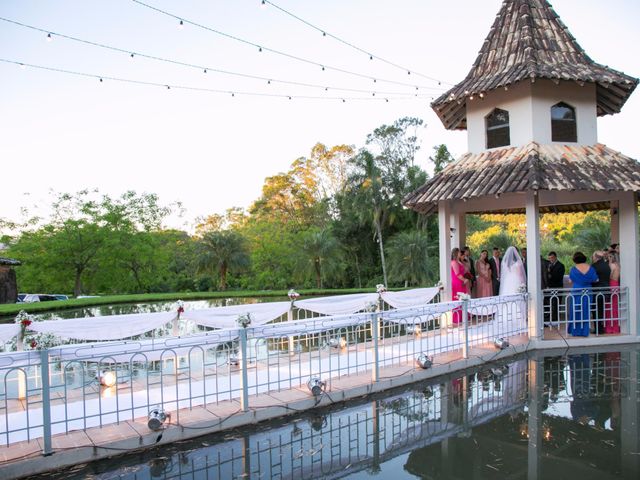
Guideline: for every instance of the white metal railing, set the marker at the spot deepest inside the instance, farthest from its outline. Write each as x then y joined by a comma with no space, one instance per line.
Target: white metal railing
58,390
585,311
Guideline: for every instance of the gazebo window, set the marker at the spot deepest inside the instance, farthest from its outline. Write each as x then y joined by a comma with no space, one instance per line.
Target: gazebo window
498,128
563,123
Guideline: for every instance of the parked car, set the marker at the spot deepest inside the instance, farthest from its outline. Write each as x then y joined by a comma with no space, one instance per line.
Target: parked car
42,297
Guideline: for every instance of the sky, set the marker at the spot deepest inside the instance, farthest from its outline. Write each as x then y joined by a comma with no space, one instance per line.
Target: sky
212,151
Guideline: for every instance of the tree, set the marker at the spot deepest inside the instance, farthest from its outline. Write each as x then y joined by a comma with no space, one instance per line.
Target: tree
409,257
441,158
322,254
223,252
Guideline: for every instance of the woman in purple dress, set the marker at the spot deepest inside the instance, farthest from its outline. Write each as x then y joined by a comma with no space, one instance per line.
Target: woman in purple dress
582,275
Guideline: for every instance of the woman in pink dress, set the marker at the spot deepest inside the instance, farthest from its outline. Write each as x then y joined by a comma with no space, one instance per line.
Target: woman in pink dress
484,287
612,315
459,284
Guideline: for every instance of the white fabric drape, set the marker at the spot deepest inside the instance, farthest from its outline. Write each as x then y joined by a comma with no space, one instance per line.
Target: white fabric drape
112,327
8,331
226,317
338,305
410,298
419,315
302,327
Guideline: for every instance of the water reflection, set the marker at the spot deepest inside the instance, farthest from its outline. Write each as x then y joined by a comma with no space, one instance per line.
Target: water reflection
572,416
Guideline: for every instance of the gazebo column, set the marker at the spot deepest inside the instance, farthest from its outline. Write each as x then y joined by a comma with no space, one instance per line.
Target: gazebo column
444,228
629,269
615,221
458,228
534,274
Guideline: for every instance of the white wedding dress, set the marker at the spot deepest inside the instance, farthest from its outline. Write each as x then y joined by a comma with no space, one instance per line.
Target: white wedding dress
512,274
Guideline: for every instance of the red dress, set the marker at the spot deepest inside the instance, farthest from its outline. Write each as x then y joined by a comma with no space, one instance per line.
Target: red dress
612,315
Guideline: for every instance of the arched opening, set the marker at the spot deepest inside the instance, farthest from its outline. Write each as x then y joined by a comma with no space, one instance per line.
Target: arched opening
497,124
563,123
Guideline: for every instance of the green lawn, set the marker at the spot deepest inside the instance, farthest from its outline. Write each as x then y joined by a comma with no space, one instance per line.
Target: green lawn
14,308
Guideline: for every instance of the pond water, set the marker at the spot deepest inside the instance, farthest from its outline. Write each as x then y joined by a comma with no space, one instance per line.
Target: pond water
536,417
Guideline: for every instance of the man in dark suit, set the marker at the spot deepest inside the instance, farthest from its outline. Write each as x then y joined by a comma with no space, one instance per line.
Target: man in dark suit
603,271
555,280
495,262
523,254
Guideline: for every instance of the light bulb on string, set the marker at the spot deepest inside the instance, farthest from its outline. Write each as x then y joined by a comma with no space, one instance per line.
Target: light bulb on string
268,82
205,70
370,57
259,49
49,37
324,34
181,25
323,68
132,55
22,66
100,80
263,4
344,101
386,100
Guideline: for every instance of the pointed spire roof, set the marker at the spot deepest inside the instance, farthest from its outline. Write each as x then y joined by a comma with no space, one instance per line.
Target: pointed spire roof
528,41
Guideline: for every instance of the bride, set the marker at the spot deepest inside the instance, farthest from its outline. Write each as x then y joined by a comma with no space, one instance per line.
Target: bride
512,274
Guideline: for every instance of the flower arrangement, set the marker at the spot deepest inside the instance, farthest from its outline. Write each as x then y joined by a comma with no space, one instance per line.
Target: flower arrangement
293,295
180,304
440,285
42,341
24,319
463,297
522,288
380,288
371,307
244,320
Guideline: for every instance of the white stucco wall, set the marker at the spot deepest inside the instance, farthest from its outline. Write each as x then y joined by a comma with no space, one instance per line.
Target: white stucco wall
529,106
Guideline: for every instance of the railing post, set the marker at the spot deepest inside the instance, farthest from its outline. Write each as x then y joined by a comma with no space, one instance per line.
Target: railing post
244,378
291,337
465,323
375,329
46,403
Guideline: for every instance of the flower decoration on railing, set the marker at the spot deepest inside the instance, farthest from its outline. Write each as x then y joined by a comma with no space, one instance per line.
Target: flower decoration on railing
244,320
180,304
522,288
380,288
371,307
463,297
293,295
42,341
24,319
440,285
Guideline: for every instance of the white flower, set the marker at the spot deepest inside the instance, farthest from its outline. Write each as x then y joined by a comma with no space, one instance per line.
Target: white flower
440,285
293,294
463,296
380,288
244,320
522,288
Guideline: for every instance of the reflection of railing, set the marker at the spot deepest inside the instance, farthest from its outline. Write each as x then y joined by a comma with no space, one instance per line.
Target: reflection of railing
598,311
46,392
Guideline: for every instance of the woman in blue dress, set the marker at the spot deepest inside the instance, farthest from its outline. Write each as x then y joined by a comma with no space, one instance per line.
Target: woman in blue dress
582,275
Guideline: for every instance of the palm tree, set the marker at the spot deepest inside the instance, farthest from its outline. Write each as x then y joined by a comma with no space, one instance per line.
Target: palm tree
221,252
321,253
409,257
593,234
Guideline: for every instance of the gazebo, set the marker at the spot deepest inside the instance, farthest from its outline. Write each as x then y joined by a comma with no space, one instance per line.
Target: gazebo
530,105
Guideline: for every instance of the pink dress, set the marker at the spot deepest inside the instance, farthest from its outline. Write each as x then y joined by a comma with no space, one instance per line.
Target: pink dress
457,286
612,315
485,287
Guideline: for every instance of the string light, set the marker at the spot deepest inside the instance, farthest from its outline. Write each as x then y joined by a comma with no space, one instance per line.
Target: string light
268,49
184,87
181,25
348,44
49,37
203,68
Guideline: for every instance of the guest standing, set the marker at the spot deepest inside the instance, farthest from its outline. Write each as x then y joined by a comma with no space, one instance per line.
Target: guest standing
459,284
470,264
484,287
583,276
555,281
612,324
603,271
495,264
523,255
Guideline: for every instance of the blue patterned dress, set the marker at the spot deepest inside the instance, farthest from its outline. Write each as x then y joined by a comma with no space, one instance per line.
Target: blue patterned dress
580,301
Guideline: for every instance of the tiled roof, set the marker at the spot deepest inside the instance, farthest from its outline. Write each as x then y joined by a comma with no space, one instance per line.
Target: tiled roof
528,168
529,41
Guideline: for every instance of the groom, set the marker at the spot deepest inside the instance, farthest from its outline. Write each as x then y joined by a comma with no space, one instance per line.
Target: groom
495,263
